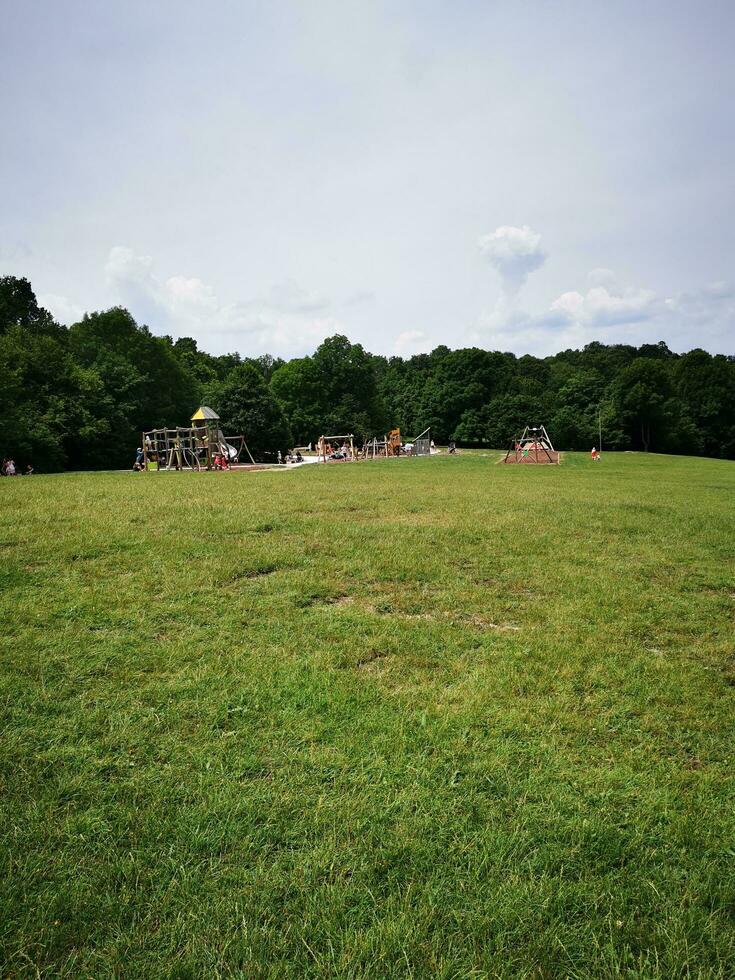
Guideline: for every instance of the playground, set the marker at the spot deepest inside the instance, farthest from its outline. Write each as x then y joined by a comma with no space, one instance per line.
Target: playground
199,446
204,446
438,718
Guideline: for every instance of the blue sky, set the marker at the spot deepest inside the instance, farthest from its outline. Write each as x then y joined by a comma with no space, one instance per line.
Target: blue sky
521,176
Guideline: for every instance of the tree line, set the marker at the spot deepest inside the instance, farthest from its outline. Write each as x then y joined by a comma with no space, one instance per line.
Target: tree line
78,397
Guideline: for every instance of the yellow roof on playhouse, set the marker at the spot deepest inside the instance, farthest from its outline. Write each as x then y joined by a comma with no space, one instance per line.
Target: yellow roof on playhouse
203,413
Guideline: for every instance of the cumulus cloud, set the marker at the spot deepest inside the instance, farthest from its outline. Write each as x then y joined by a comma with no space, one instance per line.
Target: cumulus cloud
599,307
411,342
528,333
616,313
63,309
514,253
603,277
288,319
714,297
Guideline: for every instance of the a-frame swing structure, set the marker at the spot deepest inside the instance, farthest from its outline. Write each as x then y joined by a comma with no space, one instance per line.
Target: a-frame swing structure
330,448
533,446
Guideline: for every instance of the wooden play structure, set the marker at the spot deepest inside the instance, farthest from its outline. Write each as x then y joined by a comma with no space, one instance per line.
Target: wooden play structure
533,446
389,445
194,447
336,448
340,448
392,445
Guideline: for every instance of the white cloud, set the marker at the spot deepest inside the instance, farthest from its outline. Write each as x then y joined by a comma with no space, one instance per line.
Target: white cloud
289,295
525,333
62,308
124,266
189,297
599,308
411,342
288,320
614,313
514,253
713,298
603,277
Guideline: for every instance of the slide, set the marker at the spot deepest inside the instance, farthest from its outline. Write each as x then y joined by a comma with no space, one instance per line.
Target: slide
224,447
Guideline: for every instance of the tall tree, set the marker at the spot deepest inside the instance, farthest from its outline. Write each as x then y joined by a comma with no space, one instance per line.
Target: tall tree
335,391
706,385
247,406
146,383
654,419
38,404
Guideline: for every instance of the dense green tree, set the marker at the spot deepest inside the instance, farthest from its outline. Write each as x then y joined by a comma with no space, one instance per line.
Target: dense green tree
297,387
496,423
641,392
145,383
706,385
575,417
652,417
39,407
349,393
441,388
19,308
200,367
248,407
267,365
79,397
335,391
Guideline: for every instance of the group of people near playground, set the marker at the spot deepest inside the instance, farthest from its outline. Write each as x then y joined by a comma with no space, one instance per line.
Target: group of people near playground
8,468
219,461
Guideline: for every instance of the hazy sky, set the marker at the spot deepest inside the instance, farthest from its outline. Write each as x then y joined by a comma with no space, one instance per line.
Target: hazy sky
521,176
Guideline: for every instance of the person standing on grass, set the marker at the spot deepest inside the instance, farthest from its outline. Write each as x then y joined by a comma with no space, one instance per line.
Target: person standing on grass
9,468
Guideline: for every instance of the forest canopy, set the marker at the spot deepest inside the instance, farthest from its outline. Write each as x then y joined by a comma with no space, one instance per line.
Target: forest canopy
78,397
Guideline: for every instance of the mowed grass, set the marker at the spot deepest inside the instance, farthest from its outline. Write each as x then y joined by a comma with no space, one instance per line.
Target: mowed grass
422,718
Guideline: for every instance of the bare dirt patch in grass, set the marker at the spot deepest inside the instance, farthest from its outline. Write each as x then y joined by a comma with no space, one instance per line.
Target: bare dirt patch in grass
255,572
446,616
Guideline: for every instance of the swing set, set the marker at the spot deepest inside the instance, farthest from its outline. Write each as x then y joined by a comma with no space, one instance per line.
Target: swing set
533,446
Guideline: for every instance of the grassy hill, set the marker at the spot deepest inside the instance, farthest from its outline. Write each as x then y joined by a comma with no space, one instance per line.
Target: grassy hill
409,718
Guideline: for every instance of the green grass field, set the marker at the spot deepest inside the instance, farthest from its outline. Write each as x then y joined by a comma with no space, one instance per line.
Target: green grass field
422,718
